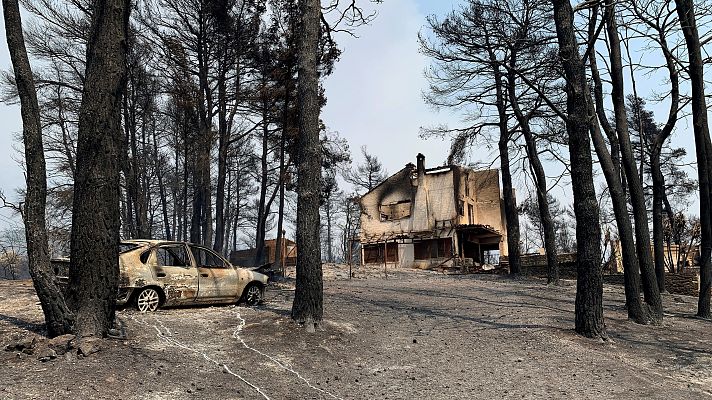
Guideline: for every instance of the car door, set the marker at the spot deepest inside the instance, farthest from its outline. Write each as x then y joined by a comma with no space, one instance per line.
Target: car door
217,278
177,273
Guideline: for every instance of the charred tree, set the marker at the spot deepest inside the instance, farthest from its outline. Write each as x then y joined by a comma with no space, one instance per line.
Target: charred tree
510,203
589,283
635,185
611,172
539,175
95,218
655,20
368,175
59,319
308,297
688,22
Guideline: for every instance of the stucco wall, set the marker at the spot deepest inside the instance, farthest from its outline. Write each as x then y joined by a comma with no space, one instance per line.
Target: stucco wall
396,188
435,197
405,255
432,200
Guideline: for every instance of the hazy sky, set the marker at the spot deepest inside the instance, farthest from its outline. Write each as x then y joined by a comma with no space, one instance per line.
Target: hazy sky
374,95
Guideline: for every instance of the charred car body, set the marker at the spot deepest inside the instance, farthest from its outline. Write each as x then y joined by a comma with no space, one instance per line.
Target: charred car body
155,273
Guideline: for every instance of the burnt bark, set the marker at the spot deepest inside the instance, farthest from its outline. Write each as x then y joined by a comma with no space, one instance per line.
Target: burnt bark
262,206
658,234
659,196
612,173
589,283
279,250
539,176
656,145
610,165
329,239
547,224
205,139
510,203
158,160
308,297
184,191
59,319
635,184
223,146
206,186
686,14
136,199
95,217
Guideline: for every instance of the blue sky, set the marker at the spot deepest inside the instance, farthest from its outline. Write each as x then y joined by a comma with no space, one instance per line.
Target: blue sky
10,125
374,96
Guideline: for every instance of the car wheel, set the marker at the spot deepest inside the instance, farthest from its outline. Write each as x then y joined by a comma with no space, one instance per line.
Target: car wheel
252,295
148,300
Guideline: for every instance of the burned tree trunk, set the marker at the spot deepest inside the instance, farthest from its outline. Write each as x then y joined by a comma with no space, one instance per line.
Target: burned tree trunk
547,223
656,144
539,176
206,188
58,318
196,216
589,284
308,297
510,203
158,163
610,165
95,216
631,276
262,207
686,13
658,234
279,249
635,185
223,147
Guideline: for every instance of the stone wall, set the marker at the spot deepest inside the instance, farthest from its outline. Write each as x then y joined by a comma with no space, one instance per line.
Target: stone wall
687,283
535,264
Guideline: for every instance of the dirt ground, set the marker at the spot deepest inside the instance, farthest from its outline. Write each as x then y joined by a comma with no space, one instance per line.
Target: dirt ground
416,334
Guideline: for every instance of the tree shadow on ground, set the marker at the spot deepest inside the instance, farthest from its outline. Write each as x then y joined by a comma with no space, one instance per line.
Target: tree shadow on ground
685,352
468,297
409,309
30,326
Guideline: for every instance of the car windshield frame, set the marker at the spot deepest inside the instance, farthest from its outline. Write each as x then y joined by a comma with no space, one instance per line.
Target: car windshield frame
131,247
226,263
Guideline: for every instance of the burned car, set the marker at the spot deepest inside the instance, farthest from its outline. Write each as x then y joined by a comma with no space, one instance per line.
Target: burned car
154,273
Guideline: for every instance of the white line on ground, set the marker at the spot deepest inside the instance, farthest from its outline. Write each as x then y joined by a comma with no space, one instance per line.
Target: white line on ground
236,335
168,338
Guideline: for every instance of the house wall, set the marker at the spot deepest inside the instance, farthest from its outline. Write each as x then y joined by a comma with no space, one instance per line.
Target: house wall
432,201
435,201
405,255
435,198
483,194
396,188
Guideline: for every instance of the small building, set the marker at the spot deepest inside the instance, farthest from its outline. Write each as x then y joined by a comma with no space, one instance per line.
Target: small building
246,258
426,218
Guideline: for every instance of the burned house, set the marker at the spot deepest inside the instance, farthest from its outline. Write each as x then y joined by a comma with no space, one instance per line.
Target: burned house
425,218
247,257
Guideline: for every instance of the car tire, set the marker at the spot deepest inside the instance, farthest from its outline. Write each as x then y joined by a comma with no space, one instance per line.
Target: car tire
148,300
253,294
